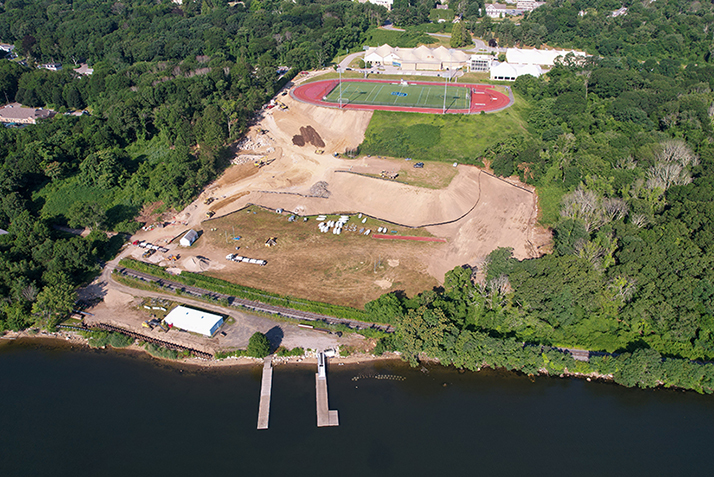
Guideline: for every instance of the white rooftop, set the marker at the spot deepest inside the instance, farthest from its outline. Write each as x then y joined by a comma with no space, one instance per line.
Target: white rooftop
197,321
525,56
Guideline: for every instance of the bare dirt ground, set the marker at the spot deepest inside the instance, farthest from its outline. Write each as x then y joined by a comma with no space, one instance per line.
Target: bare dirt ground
349,269
122,306
483,213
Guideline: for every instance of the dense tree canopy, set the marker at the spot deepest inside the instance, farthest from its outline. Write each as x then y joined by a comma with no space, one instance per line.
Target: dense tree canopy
620,151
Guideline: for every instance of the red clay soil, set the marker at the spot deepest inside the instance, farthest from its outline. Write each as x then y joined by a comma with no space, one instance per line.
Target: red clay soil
404,237
483,97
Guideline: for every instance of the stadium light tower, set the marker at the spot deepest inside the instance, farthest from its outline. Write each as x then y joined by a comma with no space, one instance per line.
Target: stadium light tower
446,78
339,70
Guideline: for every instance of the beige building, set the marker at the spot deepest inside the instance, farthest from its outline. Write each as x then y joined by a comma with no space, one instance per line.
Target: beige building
17,113
421,58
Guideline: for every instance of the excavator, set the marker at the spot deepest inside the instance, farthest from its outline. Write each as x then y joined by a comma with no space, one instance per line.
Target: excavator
262,163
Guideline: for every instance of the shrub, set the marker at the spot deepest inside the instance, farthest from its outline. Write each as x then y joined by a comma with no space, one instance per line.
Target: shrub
258,346
160,351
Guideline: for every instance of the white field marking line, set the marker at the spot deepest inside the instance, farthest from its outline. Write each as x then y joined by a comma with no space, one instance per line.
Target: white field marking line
426,100
337,92
397,96
377,93
355,94
345,92
420,93
366,98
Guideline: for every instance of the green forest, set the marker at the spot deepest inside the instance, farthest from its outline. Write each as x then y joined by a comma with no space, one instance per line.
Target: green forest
620,149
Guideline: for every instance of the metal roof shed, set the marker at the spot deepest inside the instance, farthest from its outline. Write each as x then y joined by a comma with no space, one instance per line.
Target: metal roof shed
188,239
193,320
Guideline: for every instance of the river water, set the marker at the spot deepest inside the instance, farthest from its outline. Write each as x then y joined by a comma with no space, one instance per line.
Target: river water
91,412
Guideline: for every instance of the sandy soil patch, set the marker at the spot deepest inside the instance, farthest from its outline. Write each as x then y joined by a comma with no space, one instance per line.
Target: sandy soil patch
117,299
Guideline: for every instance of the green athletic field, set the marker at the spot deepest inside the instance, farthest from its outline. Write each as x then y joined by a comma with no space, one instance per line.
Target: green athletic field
415,96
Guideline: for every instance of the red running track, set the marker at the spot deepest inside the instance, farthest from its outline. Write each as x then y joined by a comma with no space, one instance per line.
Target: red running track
404,237
483,97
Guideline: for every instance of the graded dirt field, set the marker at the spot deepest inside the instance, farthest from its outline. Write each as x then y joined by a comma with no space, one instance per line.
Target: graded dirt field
349,268
474,211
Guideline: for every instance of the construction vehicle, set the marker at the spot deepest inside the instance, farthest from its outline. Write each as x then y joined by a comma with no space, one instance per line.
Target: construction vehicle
209,200
210,214
262,163
271,241
319,151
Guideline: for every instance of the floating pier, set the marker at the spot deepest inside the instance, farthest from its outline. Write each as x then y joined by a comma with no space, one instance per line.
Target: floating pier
265,389
325,417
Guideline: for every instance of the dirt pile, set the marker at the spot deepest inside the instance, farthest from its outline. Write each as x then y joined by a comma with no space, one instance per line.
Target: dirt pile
319,189
308,135
195,264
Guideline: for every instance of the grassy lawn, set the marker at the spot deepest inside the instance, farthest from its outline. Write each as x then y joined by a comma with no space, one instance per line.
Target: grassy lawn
549,197
402,39
434,175
436,137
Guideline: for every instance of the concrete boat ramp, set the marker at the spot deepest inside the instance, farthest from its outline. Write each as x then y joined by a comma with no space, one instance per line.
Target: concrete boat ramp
325,417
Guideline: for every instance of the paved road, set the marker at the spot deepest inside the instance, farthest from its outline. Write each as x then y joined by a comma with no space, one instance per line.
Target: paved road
389,26
349,58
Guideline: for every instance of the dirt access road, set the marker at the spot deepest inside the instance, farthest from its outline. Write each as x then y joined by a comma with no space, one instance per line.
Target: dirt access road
478,212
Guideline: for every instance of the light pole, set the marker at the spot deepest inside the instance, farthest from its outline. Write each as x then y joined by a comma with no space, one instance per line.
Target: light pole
446,78
339,70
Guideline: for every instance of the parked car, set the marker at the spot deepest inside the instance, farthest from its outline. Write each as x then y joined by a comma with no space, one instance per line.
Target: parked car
419,165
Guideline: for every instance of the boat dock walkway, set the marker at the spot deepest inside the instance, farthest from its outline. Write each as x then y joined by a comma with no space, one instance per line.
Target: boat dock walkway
265,389
325,417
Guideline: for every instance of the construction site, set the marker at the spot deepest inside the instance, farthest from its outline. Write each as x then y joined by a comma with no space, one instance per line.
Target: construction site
291,168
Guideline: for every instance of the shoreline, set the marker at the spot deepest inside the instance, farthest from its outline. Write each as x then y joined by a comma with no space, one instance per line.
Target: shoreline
64,338
71,338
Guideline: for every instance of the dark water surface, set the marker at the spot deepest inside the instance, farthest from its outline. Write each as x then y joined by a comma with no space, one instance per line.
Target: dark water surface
84,412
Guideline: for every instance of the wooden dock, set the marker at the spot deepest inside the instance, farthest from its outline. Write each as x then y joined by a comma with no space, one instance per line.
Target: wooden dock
265,389
325,417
